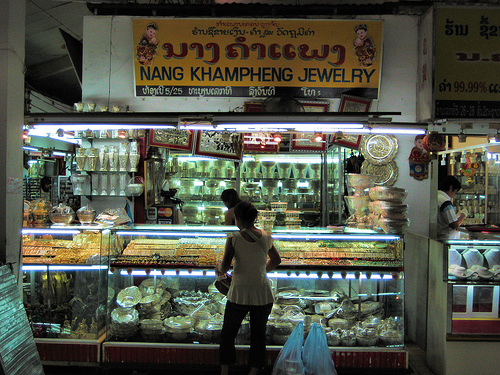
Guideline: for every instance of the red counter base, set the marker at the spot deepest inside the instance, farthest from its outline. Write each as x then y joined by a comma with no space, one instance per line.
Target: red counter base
69,352
153,355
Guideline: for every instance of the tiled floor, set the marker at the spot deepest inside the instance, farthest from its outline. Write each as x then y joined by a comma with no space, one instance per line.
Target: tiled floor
416,361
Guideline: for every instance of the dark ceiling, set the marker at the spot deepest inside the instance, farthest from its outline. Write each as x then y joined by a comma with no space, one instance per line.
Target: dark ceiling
54,28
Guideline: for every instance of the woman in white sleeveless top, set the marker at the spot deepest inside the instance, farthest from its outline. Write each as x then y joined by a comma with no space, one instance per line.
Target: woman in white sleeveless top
250,291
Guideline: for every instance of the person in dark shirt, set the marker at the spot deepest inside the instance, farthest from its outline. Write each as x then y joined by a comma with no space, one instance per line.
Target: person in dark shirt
230,198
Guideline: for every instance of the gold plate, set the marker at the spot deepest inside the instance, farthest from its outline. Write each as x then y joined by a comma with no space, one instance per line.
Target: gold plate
379,148
385,174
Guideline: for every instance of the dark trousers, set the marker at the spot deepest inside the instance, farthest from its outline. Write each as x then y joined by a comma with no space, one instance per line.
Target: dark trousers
233,316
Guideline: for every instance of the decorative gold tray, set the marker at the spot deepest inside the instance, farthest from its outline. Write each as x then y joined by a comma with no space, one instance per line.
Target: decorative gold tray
379,148
384,174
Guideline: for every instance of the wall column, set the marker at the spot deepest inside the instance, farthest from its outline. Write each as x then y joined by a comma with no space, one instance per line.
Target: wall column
12,39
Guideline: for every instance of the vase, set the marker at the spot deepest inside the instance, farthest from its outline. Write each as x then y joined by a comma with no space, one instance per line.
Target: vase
113,184
81,158
123,159
113,159
103,158
95,184
134,161
103,184
93,157
123,181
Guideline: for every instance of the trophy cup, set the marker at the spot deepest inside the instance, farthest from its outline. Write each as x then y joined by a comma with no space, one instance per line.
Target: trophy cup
113,184
113,159
78,181
299,170
103,184
93,157
316,170
134,161
81,158
268,167
123,184
123,156
95,184
103,158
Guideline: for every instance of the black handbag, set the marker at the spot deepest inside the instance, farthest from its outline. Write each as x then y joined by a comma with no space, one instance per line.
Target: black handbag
222,283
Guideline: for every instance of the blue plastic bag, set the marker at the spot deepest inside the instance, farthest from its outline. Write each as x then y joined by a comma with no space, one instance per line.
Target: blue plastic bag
289,361
316,354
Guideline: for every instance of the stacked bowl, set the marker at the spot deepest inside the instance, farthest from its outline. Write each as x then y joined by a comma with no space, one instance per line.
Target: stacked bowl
388,208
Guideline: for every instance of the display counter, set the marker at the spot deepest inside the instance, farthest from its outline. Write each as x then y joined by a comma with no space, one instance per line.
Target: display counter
164,308
65,290
463,304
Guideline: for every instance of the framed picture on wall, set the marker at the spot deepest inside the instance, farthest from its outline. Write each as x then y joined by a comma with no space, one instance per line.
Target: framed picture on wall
349,103
347,140
219,144
149,183
260,142
306,142
316,106
172,138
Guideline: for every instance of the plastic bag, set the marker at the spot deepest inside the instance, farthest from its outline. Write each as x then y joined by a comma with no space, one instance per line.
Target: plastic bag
316,354
289,361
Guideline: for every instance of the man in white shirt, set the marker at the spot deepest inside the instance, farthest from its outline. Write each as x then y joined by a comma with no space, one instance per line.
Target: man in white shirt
448,220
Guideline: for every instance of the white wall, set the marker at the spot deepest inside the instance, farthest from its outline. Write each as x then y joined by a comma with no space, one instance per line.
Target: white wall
108,80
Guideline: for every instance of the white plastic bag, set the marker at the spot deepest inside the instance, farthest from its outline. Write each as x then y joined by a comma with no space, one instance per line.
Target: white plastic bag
289,361
316,354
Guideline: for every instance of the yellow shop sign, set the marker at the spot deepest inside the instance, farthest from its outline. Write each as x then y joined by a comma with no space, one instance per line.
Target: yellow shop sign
256,57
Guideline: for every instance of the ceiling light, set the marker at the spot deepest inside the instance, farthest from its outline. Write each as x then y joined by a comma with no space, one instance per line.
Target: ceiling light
122,134
394,131
318,137
277,137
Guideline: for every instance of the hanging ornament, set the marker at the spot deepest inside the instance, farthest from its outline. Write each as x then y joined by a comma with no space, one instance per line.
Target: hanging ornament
419,159
434,142
469,168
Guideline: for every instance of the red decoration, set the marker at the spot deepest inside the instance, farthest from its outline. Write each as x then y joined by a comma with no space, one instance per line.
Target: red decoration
434,142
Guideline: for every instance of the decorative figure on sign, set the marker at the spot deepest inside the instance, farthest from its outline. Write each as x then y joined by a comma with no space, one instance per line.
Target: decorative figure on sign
364,47
146,48
419,159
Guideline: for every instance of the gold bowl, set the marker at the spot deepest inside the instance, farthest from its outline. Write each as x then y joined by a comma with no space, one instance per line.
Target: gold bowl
357,204
360,182
388,193
61,218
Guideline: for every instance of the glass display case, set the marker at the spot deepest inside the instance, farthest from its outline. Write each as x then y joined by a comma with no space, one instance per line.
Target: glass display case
164,297
106,163
478,170
462,305
291,179
473,275
65,289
